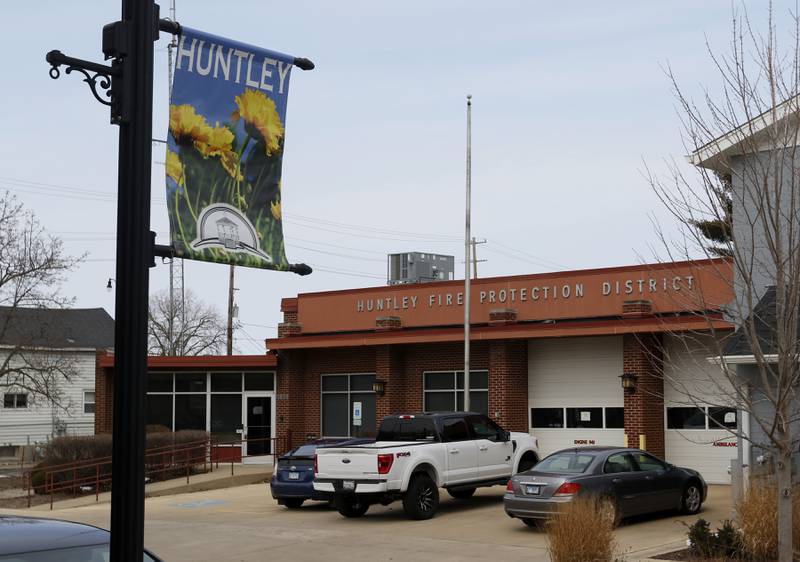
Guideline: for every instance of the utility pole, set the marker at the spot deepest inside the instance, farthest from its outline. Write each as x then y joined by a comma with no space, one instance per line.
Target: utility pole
475,259
467,247
230,309
177,301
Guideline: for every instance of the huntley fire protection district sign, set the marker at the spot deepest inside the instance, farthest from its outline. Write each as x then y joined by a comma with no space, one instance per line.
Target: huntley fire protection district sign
227,120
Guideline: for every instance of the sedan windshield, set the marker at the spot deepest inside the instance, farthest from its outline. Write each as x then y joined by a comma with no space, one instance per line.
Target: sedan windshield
565,463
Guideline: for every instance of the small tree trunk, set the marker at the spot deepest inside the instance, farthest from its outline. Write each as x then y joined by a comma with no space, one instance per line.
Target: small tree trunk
784,474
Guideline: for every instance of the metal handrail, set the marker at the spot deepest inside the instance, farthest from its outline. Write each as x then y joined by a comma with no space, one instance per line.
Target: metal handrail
177,458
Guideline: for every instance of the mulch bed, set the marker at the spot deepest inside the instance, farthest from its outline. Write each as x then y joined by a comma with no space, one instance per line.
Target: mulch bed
686,556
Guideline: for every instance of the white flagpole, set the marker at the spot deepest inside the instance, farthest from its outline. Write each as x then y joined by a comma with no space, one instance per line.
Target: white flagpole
467,248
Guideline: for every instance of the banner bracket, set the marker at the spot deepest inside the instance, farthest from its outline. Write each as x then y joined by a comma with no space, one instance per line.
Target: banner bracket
95,75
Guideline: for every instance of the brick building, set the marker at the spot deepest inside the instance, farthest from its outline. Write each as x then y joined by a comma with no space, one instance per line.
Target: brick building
547,356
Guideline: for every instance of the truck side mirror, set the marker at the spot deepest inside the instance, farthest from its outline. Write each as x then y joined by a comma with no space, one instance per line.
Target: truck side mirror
503,436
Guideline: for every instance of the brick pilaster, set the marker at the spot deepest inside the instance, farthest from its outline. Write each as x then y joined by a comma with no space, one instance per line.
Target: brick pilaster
508,383
389,368
291,396
103,396
644,406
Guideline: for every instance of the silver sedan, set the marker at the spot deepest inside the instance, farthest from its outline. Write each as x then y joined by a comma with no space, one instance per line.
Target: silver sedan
636,482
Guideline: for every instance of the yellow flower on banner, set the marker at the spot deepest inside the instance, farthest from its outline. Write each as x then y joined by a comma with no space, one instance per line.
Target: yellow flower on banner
175,167
230,161
275,207
261,118
186,125
220,140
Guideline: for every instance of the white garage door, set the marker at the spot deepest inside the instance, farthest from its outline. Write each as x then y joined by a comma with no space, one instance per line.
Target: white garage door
574,393
698,420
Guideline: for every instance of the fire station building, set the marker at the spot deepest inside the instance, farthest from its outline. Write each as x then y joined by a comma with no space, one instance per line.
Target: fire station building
602,356
550,354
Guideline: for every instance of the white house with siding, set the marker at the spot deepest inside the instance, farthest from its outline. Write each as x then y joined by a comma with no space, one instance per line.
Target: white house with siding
56,349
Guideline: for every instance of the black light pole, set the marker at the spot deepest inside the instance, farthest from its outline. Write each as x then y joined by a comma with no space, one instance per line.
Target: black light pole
134,258
127,87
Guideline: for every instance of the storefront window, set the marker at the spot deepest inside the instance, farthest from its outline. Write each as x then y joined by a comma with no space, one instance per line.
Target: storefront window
259,381
335,415
159,382
226,416
190,382
226,382
444,391
340,396
190,411
180,400
159,410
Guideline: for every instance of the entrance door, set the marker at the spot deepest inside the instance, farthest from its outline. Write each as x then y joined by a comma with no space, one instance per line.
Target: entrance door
258,423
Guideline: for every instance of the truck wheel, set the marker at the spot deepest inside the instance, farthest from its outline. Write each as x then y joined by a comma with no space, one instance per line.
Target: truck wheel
422,498
293,503
462,494
350,506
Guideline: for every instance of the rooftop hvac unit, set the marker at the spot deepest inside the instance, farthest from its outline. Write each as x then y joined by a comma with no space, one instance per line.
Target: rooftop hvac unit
419,267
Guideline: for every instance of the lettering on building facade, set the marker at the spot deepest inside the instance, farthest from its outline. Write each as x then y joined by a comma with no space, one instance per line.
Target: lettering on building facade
633,288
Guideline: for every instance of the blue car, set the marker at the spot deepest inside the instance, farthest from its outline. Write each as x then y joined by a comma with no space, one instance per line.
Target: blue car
292,481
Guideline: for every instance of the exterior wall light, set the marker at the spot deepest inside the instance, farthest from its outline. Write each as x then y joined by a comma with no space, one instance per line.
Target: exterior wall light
379,387
628,381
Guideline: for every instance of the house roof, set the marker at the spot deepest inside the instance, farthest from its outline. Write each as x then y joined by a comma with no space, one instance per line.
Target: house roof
716,154
57,328
764,316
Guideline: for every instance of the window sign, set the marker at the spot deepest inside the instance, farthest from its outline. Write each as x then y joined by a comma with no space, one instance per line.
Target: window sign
586,416
357,413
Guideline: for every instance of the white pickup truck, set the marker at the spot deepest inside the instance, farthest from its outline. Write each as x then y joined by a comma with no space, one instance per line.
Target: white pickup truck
416,454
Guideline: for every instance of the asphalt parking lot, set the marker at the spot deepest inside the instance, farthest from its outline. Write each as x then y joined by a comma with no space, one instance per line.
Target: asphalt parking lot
244,523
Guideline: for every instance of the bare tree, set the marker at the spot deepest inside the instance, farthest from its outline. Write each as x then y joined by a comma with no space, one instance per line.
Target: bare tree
745,197
32,268
197,330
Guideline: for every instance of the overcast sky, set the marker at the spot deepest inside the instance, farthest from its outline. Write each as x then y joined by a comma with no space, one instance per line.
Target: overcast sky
570,99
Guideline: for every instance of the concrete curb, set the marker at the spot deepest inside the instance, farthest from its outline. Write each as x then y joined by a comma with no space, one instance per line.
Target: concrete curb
646,555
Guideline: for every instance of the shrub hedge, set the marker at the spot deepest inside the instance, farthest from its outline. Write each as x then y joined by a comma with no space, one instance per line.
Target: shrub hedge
70,449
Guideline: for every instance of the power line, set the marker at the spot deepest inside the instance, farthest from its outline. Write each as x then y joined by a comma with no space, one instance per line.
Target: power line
351,226
347,256
529,255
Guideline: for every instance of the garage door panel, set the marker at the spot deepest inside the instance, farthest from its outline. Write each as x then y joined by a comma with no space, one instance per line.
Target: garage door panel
708,452
575,372
552,440
689,376
578,373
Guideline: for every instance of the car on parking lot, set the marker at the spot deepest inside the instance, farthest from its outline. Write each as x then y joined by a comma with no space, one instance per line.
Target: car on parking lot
634,481
416,454
292,481
29,539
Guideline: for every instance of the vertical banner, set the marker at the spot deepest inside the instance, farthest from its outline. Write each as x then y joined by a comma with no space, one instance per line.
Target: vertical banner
227,125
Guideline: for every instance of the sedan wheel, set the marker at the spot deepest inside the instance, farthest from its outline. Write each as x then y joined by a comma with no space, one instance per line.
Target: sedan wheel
692,499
